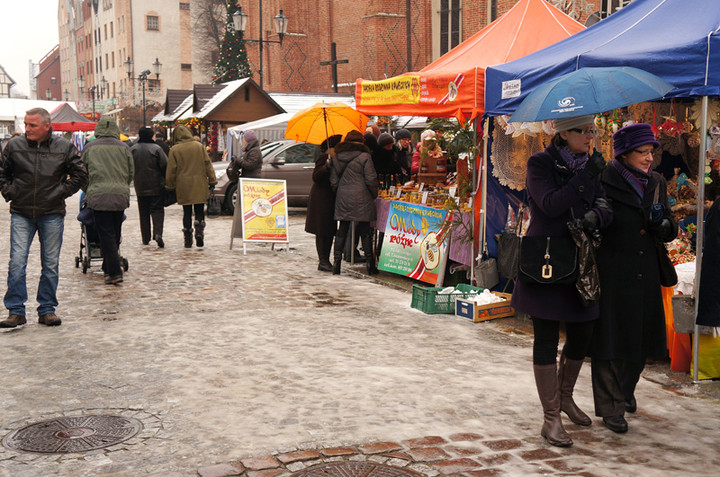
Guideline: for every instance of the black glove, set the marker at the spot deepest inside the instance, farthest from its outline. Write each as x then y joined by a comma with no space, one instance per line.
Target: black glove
603,204
590,221
661,229
595,164
211,187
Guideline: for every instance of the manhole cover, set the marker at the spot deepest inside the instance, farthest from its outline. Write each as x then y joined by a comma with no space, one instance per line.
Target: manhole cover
355,469
65,435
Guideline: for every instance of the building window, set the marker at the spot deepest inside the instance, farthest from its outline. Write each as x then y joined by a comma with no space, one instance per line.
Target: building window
184,6
449,25
53,80
153,22
153,84
112,30
186,66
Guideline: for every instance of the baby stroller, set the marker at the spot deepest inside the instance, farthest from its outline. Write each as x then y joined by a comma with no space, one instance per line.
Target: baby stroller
89,241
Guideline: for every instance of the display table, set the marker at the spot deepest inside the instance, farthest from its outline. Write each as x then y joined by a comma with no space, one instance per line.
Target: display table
461,249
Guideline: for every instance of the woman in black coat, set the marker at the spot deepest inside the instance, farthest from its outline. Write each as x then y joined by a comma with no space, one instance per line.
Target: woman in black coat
354,180
708,296
320,218
562,183
631,327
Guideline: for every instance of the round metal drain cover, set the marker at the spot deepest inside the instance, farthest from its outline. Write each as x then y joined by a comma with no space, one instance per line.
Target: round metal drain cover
355,469
66,435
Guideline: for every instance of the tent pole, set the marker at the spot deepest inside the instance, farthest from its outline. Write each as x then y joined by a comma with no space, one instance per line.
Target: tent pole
483,188
474,193
699,234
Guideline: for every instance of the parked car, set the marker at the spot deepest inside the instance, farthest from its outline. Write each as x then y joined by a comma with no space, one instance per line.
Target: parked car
284,159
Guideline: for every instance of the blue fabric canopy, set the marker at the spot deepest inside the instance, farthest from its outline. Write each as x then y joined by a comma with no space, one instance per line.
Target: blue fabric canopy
677,40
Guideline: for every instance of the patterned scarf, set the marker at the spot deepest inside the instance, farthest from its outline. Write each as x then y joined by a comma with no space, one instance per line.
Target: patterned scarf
575,162
637,179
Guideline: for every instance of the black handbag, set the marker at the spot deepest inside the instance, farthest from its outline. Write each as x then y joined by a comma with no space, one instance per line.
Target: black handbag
548,260
169,198
213,205
668,275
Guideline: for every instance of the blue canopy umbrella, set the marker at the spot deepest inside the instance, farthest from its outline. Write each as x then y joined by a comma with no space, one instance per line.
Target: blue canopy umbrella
590,91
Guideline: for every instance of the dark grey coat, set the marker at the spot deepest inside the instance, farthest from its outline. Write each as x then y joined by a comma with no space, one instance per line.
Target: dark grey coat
632,317
320,219
709,305
150,165
553,191
354,180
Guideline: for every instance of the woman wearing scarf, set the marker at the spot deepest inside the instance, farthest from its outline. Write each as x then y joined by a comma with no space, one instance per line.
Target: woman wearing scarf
563,183
631,327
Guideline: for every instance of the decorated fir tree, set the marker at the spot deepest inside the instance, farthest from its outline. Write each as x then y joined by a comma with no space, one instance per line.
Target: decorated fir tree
232,61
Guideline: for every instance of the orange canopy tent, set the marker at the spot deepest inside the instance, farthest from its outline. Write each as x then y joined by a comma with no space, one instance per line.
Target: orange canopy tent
454,84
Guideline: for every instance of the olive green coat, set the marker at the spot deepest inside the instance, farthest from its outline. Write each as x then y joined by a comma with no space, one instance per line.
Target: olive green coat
189,170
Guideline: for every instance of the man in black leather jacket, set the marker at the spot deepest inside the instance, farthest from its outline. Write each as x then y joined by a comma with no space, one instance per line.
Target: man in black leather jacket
37,173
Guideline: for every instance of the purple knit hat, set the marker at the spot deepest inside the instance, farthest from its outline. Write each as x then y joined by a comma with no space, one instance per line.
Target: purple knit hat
633,136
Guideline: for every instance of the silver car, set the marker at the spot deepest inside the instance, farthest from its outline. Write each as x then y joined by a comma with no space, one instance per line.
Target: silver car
285,159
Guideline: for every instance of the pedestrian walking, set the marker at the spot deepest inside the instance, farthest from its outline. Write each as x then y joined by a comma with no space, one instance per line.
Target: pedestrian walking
562,183
320,217
38,171
191,175
110,167
354,180
150,164
631,327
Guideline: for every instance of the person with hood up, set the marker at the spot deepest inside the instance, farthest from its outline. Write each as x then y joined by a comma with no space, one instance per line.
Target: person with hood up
249,163
111,169
191,175
354,181
150,165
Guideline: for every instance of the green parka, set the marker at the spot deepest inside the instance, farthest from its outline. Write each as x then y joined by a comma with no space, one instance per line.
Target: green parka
189,170
110,166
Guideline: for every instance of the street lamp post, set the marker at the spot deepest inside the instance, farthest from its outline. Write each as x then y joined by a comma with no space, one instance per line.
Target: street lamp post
143,77
280,22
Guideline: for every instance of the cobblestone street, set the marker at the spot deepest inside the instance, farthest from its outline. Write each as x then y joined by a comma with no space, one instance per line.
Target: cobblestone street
259,365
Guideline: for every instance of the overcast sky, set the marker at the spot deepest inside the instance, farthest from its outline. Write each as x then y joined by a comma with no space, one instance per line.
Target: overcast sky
28,31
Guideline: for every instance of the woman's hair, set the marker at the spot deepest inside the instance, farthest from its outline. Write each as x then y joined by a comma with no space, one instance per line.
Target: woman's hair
558,141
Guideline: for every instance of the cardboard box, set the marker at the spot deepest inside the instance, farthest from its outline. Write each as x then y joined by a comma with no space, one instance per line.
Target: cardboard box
469,309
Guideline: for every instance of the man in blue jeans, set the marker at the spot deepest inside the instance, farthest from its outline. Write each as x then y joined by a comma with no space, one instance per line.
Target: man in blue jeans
38,171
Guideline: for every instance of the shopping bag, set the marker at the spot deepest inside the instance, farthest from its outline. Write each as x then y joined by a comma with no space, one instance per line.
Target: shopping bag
213,206
169,198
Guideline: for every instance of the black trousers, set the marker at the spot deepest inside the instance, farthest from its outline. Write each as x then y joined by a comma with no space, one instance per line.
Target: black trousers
108,225
547,338
188,210
613,383
151,207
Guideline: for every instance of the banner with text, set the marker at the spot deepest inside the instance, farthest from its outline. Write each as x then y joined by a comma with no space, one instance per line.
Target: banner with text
416,241
263,206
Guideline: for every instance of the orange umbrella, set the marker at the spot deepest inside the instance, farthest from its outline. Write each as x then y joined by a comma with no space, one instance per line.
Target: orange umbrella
322,120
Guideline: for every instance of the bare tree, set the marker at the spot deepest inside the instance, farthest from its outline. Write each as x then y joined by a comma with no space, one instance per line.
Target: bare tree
208,29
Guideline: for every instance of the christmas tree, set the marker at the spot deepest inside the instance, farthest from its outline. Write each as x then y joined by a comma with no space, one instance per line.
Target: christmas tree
232,61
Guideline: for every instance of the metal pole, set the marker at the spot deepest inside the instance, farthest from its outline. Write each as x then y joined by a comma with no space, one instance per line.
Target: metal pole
260,71
699,231
408,26
92,93
143,80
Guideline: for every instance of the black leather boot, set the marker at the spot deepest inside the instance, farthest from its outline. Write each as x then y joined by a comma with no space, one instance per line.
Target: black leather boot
200,232
367,243
338,253
188,237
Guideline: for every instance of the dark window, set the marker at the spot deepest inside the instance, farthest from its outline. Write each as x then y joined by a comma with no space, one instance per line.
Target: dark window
185,66
153,22
184,6
299,154
449,25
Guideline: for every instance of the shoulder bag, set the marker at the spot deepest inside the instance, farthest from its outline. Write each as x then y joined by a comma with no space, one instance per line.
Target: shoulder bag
548,260
214,208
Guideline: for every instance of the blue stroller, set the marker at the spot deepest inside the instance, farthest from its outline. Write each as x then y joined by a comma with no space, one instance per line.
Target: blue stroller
89,240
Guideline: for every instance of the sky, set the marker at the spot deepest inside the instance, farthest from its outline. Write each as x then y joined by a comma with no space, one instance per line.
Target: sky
28,31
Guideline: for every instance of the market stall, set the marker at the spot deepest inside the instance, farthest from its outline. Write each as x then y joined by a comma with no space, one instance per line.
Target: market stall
685,55
453,85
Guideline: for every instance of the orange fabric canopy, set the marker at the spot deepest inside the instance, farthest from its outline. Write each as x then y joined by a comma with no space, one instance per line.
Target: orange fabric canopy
454,84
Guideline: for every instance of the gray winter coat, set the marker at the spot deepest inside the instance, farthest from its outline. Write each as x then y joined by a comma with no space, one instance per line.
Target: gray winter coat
354,180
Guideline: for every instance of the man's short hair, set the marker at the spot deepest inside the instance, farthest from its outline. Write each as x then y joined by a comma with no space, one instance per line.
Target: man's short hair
39,112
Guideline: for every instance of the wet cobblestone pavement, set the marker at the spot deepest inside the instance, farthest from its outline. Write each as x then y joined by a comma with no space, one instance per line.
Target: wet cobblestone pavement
260,366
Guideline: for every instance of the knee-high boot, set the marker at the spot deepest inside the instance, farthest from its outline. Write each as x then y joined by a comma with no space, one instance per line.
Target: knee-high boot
323,244
187,233
367,243
547,387
338,253
568,372
200,232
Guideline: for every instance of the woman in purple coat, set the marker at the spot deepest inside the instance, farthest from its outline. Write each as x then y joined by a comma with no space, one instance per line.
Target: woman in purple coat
563,183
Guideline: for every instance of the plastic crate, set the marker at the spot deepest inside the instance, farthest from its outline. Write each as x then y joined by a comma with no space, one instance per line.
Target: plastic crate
429,300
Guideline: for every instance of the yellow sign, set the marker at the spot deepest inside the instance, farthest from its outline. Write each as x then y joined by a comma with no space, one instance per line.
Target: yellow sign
399,90
263,204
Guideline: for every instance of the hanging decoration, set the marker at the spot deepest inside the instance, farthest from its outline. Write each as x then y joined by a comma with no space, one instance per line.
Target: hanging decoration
213,136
